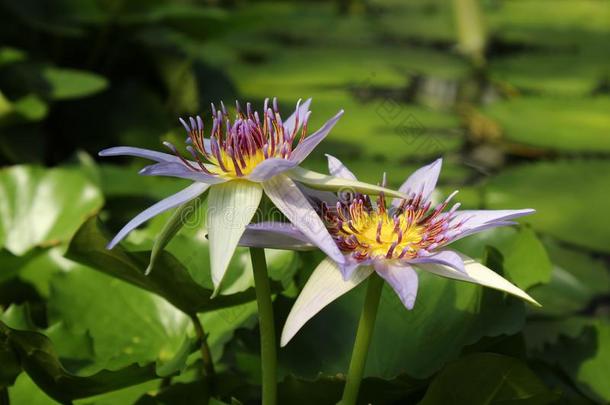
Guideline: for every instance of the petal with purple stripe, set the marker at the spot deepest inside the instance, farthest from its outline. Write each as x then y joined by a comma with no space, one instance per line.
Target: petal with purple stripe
291,201
446,257
323,287
301,111
275,235
338,169
181,171
478,274
310,142
472,221
403,279
269,168
181,197
139,152
422,181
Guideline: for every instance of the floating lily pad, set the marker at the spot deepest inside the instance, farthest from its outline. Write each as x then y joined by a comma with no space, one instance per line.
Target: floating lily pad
576,280
43,207
70,83
567,195
484,378
447,316
566,125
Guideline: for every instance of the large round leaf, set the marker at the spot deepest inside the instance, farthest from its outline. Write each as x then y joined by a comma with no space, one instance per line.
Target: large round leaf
570,198
447,316
41,207
570,124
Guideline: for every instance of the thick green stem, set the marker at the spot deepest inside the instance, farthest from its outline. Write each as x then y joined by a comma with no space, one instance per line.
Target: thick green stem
266,325
204,348
363,340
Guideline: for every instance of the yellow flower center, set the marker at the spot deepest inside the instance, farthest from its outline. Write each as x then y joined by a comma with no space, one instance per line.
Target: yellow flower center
367,230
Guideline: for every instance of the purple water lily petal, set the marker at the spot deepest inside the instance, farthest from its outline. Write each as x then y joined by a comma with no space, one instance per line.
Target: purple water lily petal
403,280
301,112
446,257
269,168
181,171
351,265
291,201
473,221
275,235
139,152
310,142
423,181
189,193
338,169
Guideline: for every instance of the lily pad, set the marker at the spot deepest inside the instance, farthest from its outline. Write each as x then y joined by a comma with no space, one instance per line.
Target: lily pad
557,124
170,280
69,83
43,207
576,280
579,190
485,378
447,316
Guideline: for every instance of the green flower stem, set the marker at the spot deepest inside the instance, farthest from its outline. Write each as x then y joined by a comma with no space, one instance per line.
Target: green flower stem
266,325
363,340
204,348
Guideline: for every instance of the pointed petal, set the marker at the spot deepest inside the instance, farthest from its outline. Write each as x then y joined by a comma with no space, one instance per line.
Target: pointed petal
139,152
446,257
478,274
479,220
403,280
231,207
302,111
181,171
325,182
323,287
275,235
192,191
310,142
291,201
269,168
338,169
423,181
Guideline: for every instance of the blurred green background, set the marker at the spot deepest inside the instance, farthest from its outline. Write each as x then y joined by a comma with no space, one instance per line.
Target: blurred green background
513,94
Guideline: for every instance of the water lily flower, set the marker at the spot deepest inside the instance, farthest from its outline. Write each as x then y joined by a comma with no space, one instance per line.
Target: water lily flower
237,162
395,240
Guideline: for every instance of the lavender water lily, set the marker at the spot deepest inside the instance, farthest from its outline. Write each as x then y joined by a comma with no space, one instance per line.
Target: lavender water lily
384,241
237,162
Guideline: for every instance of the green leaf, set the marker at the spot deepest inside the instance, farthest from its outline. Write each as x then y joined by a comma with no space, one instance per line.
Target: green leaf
447,316
485,378
70,83
11,55
584,356
576,280
43,206
171,280
327,390
39,359
580,127
576,186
